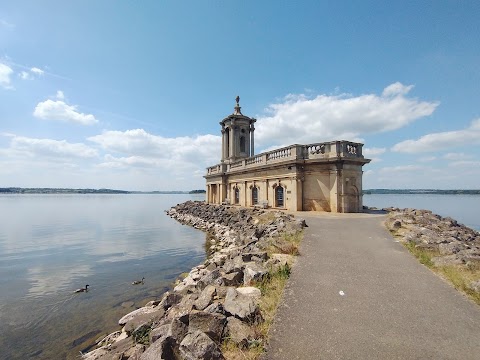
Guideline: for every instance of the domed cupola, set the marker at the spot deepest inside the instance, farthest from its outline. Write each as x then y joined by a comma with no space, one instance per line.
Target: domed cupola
237,135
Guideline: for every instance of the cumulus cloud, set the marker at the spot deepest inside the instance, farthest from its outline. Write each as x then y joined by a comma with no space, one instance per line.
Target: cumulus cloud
21,146
60,111
139,148
302,119
5,73
60,95
441,140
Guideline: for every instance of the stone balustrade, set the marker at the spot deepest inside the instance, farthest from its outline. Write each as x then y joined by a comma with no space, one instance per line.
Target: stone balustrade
326,150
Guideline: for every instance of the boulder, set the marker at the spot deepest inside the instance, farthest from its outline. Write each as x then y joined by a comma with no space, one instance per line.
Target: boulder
198,346
239,332
211,324
205,298
450,248
233,279
139,312
162,349
170,299
253,272
240,306
143,320
249,291
216,307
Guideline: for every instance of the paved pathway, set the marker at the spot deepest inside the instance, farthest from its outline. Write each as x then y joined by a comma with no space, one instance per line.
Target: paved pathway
392,307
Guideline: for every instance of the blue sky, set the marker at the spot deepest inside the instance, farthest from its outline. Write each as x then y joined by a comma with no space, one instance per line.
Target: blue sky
128,94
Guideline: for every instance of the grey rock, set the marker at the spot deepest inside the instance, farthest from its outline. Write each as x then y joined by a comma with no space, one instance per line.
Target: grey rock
143,320
135,313
198,346
211,324
241,306
216,307
205,298
253,272
170,299
233,278
162,349
239,332
450,248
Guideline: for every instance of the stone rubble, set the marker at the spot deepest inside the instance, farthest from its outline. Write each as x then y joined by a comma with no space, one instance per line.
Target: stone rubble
456,244
215,301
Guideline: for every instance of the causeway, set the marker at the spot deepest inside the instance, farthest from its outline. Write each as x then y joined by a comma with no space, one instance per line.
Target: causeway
356,293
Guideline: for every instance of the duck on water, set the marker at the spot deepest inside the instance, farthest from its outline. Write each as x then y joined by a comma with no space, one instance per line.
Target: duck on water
85,289
138,282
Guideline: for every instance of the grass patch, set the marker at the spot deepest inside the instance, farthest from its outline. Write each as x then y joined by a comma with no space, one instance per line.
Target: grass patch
460,276
272,289
286,244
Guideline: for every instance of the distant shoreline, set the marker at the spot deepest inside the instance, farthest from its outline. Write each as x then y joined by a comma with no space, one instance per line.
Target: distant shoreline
420,192
17,190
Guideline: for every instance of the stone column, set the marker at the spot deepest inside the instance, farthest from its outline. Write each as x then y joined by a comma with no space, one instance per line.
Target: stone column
231,142
252,148
223,143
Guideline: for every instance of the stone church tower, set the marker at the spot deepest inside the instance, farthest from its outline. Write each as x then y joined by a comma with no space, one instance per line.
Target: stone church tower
237,136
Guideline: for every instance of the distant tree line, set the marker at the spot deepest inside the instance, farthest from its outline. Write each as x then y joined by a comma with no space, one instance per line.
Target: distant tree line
18,190
422,191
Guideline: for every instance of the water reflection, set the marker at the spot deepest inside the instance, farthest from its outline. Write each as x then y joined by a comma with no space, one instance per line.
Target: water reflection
50,245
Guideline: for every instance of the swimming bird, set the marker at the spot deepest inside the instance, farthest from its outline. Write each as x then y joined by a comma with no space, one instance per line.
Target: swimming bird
85,289
138,282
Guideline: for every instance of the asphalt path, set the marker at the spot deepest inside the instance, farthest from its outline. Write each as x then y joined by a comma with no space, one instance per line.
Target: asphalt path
356,293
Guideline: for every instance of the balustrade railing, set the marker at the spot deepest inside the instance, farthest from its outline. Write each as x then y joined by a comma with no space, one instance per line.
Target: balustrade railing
294,152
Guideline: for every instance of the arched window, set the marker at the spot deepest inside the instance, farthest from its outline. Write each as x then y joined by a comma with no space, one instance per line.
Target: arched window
242,144
254,195
279,196
237,195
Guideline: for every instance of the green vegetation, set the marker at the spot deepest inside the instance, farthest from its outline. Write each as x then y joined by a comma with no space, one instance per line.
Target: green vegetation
460,276
271,288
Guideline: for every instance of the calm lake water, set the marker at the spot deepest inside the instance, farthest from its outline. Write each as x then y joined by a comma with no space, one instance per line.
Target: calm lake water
51,245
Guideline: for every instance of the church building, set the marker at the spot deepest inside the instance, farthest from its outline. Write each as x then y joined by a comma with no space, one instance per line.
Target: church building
324,176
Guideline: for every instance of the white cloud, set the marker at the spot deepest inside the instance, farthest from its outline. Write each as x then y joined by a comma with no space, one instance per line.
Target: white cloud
25,75
59,110
5,73
300,119
37,71
441,140
139,148
60,95
373,151
396,89
427,158
25,147
457,156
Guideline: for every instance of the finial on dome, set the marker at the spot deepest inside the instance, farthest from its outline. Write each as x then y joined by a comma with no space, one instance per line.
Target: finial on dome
237,109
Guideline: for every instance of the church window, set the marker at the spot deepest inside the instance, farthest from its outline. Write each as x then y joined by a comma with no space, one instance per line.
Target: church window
254,195
237,195
242,143
279,196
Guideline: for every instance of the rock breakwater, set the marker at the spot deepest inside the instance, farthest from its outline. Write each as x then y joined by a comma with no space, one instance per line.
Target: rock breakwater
446,242
218,299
